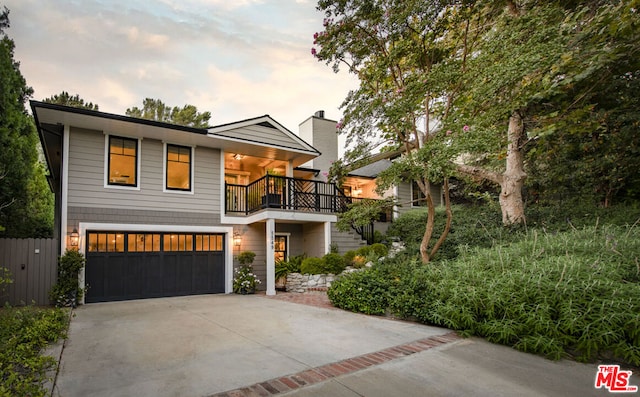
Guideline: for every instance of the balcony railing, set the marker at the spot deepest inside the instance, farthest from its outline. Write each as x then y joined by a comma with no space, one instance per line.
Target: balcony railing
273,191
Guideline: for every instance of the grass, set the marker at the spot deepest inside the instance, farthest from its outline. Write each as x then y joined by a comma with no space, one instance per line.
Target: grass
24,333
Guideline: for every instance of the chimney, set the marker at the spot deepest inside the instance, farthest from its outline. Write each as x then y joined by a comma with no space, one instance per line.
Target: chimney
322,134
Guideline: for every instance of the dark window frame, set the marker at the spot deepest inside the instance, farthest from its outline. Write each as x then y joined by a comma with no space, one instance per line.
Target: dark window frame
135,166
166,167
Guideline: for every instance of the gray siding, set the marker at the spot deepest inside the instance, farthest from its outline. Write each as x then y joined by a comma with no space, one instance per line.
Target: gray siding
405,197
86,178
314,239
76,215
263,134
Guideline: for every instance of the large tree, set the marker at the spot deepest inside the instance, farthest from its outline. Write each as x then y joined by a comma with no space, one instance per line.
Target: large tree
25,202
155,109
64,98
494,76
392,47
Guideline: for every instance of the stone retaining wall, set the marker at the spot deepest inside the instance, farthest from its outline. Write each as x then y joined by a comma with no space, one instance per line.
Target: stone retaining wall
302,283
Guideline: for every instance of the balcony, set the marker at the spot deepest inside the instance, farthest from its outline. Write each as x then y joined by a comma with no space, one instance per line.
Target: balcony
280,192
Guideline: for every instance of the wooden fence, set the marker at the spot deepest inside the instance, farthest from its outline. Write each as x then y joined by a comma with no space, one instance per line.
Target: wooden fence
33,265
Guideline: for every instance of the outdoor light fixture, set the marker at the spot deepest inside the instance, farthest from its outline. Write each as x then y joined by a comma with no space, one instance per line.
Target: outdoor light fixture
74,237
237,239
238,156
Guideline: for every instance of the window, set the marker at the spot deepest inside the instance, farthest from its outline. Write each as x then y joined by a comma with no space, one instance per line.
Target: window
178,242
419,199
280,247
144,242
106,242
123,161
178,171
208,242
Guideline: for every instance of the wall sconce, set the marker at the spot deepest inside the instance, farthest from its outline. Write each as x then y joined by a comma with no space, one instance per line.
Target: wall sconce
237,239
238,156
74,237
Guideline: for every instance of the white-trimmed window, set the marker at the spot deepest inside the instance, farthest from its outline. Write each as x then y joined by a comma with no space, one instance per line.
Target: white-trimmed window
178,168
281,247
122,162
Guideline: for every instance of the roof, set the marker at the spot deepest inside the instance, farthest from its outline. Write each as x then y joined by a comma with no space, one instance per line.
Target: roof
371,170
260,136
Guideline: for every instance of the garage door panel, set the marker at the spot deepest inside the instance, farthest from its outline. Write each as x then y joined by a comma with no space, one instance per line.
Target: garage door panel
184,274
133,275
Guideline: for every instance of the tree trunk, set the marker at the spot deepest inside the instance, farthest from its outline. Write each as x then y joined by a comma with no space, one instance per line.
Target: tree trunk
512,180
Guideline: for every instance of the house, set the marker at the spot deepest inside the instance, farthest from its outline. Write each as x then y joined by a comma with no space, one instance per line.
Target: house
161,209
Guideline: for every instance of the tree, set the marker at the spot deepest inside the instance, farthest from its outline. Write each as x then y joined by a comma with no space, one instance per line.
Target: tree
71,100
492,77
392,46
21,187
155,109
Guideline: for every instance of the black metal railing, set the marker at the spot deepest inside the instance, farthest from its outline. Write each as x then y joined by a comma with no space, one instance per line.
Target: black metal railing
274,191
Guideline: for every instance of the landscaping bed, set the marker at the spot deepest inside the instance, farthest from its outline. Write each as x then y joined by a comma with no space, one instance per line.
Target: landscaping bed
569,293
24,334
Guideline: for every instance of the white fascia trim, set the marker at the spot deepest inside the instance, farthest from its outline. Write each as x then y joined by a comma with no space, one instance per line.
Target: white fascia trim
191,172
83,227
223,193
64,196
278,216
264,144
106,164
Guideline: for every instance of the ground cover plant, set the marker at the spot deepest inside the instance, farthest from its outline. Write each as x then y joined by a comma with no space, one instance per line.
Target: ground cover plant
24,332
572,291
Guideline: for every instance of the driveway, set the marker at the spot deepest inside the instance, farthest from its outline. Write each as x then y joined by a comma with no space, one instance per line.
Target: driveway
249,345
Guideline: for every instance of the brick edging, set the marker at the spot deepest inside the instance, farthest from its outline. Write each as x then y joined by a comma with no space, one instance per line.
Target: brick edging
312,376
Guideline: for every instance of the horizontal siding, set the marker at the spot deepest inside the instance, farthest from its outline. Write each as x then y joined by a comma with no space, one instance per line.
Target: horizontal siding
404,197
75,215
86,178
263,134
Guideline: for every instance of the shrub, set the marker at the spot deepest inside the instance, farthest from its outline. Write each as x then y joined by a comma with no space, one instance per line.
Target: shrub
312,266
349,256
574,293
5,278
66,291
334,263
24,332
245,281
246,257
379,249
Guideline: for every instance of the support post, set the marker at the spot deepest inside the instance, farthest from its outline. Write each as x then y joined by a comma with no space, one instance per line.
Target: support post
271,261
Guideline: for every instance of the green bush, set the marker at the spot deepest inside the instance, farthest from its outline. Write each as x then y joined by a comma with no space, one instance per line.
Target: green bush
66,291
246,257
379,249
312,266
349,257
574,293
334,263
24,333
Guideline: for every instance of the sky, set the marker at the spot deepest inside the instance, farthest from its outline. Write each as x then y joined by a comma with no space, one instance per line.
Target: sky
237,59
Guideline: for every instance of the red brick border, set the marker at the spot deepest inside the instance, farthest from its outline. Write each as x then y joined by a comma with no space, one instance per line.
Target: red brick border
350,365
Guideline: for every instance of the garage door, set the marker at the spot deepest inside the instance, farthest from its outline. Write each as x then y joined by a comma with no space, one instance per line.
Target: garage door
134,265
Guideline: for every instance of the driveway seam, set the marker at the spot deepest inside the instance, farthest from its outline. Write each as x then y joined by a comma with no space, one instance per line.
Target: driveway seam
311,376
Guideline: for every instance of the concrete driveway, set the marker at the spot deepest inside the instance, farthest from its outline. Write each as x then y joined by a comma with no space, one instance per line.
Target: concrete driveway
251,346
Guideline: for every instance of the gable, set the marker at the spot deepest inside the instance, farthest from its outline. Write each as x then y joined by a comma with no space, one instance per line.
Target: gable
262,131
